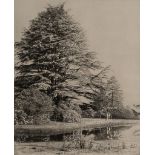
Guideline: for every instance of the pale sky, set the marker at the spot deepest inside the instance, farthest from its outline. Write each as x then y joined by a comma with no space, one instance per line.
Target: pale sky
112,30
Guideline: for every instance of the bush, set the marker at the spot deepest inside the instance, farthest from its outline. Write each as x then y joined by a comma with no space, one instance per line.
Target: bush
76,108
71,116
20,117
100,114
88,113
33,107
57,115
123,113
67,113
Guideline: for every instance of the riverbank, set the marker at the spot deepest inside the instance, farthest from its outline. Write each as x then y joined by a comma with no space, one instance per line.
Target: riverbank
61,127
127,144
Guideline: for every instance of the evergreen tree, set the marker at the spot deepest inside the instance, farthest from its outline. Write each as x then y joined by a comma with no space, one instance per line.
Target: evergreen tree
115,93
108,95
53,56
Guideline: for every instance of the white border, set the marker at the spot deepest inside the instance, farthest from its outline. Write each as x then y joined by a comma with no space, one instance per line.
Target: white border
147,77
147,26
6,77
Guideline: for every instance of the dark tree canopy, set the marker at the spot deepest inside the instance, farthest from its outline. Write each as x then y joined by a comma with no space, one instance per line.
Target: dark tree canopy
53,52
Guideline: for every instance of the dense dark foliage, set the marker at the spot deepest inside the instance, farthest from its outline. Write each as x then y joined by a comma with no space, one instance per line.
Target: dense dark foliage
33,107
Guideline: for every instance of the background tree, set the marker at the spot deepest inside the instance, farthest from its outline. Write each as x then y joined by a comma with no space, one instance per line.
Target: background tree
98,85
108,95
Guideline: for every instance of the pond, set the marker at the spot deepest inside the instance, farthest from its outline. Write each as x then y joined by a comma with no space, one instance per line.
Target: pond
103,139
112,140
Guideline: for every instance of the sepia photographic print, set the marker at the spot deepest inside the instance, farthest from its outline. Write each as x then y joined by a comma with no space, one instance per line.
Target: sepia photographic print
76,83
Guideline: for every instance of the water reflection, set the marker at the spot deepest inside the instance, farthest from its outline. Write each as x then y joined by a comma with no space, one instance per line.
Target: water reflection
109,138
112,139
105,133
98,134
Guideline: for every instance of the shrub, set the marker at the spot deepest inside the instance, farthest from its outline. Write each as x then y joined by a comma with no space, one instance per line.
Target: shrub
67,113
20,117
88,113
57,115
71,116
33,107
123,113
100,114
76,108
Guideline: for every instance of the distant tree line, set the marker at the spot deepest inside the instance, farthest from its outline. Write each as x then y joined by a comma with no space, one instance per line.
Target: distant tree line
58,76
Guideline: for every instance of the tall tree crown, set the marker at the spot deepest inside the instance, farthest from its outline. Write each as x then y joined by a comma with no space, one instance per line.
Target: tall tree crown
53,51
